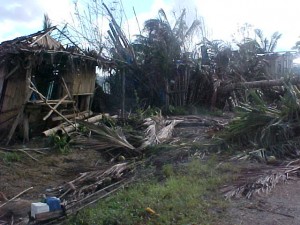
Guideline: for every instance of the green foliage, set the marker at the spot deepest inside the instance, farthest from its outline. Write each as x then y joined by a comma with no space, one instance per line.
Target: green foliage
10,157
179,110
181,199
141,113
272,129
108,121
168,170
61,143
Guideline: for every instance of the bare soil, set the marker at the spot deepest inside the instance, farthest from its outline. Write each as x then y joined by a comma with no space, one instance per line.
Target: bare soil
279,207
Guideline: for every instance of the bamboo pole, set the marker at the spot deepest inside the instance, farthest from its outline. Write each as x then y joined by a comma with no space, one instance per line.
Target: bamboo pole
45,100
55,107
18,195
80,115
67,129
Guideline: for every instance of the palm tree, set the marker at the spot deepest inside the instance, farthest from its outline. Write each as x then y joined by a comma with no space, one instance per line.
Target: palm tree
265,44
159,50
46,22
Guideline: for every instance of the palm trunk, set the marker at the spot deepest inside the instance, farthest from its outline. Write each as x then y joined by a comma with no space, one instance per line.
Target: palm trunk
257,84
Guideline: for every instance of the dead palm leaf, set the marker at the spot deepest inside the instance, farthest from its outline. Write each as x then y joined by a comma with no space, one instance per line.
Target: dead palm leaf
263,180
105,137
158,130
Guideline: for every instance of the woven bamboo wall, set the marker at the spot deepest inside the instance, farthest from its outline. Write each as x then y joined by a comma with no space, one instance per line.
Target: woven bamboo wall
82,82
13,98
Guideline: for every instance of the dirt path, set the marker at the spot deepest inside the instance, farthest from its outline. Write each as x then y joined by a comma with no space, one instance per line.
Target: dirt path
279,207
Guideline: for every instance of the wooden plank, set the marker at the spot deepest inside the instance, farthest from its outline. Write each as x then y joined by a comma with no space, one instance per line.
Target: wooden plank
49,215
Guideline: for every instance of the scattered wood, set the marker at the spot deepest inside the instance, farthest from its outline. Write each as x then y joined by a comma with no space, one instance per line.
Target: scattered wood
49,215
33,88
91,186
69,128
15,197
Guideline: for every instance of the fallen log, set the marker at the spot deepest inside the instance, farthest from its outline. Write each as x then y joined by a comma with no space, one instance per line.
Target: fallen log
80,115
258,84
70,128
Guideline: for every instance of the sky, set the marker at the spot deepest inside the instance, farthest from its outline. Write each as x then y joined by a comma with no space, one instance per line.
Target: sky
222,17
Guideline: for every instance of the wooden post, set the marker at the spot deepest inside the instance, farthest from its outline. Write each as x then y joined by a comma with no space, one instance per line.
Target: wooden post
25,127
2,77
123,95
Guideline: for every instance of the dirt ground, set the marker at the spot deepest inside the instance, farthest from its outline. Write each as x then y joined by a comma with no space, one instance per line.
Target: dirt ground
49,171
278,207
281,206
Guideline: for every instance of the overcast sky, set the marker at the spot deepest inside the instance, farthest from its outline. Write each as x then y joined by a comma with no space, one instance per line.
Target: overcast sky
222,17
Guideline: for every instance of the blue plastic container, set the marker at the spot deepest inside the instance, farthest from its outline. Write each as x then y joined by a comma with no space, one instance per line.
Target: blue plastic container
54,203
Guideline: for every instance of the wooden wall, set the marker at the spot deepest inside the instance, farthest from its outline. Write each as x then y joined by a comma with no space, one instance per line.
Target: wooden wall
12,98
81,82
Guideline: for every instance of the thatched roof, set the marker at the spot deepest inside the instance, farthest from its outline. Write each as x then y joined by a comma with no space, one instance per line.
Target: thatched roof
43,42
50,41
37,41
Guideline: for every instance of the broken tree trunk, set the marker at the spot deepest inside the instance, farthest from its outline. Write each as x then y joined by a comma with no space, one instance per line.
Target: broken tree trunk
258,84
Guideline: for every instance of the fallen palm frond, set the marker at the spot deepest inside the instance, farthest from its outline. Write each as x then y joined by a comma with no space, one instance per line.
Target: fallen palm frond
272,128
90,186
158,130
104,137
263,184
263,181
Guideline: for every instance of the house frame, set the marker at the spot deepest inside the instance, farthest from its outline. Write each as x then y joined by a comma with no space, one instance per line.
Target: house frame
43,82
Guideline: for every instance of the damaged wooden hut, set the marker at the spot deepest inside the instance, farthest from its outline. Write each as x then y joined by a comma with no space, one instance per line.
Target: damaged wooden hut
43,82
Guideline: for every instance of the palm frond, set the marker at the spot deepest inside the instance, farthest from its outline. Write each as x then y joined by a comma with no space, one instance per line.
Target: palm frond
158,130
258,181
105,137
